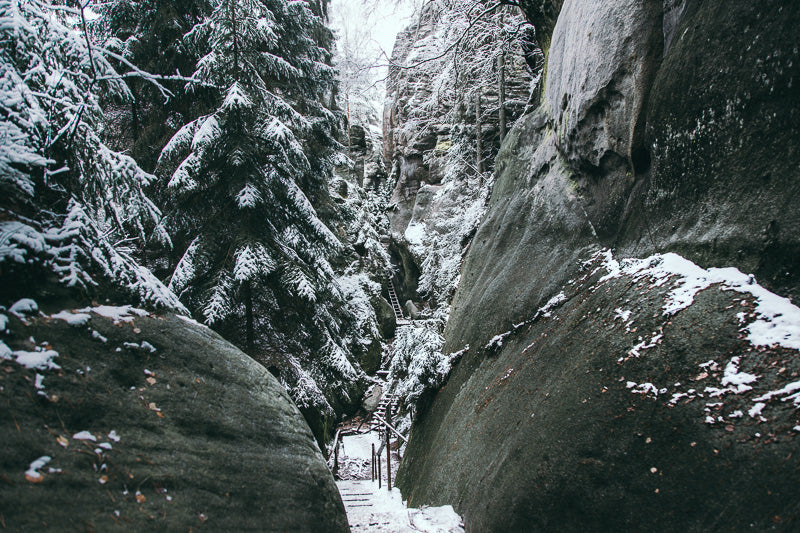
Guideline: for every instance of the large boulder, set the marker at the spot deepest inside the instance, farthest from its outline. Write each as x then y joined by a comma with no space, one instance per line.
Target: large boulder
119,420
667,126
617,408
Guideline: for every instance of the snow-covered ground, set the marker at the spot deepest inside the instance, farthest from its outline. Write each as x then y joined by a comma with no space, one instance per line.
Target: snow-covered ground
378,510
374,509
355,453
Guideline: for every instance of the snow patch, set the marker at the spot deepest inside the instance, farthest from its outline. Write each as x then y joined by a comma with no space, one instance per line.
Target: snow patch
23,307
496,342
125,313
791,391
654,341
146,346
738,380
415,234
5,352
73,319
33,474
755,411
84,435
778,319
621,314
552,303
388,511
192,321
38,360
647,389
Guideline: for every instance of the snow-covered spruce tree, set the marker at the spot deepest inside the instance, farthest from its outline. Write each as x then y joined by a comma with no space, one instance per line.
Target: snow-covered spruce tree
69,204
243,179
149,34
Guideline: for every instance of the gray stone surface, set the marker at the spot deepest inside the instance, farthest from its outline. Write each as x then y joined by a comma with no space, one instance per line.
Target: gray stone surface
208,439
601,62
725,144
546,433
529,241
679,133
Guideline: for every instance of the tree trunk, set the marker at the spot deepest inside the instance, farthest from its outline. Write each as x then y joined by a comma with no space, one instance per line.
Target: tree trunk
501,67
134,113
478,135
232,14
349,137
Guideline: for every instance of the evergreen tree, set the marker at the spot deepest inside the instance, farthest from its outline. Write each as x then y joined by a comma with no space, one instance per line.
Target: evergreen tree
244,178
149,34
69,203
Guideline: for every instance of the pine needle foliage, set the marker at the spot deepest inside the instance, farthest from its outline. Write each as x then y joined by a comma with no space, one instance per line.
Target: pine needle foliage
147,36
70,205
244,180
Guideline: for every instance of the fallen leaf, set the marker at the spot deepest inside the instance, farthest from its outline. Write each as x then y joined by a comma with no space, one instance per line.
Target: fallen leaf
159,414
203,517
151,380
103,480
34,477
152,407
140,497
62,441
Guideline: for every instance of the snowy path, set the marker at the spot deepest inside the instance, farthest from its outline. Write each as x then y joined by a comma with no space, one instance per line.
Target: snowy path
370,509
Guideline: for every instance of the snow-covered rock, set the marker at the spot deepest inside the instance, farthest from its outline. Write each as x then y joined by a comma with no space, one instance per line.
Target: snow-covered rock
173,439
664,387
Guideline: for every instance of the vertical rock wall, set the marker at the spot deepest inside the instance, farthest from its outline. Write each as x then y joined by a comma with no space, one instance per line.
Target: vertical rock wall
430,149
666,127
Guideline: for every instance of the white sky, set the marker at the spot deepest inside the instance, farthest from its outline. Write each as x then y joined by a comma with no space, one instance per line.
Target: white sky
369,27
381,20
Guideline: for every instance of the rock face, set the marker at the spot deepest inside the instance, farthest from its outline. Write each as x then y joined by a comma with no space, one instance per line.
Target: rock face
151,422
430,145
722,130
603,412
665,127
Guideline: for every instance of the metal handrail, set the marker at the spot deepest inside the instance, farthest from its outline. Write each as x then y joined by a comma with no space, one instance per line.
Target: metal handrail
388,425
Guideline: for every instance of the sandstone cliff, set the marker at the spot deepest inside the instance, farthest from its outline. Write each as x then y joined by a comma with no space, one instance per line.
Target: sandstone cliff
438,105
586,399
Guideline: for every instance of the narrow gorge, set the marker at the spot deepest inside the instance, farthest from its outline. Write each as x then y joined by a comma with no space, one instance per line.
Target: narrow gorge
538,262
